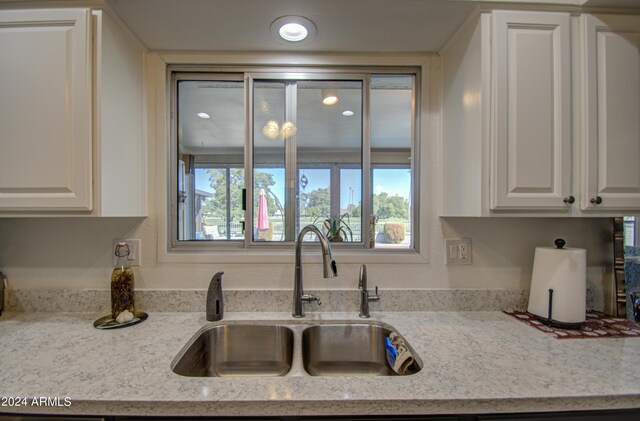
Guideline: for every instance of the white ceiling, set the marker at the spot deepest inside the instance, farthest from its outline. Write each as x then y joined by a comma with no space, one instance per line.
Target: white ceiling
364,26
390,26
386,26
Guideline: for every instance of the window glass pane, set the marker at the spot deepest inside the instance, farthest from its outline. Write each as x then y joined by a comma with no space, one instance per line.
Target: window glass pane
306,158
391,153
268,204
214,202
271,131
314,198
351,201
391,205
222,212
329,140
210,131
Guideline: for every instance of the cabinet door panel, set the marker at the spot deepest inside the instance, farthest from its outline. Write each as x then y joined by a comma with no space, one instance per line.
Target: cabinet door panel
531,162
45,88
530,140
612,119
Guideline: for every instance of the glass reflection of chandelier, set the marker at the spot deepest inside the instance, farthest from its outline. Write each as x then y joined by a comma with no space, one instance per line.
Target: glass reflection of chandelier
288,130
272,130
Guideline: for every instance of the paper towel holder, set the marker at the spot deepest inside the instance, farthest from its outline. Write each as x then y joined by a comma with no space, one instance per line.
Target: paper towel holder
554,323
562,278
550,315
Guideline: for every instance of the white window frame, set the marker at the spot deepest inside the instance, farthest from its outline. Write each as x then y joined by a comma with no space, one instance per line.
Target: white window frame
201,252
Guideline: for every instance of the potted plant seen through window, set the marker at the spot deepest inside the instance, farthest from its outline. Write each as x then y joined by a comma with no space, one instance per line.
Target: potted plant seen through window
337,229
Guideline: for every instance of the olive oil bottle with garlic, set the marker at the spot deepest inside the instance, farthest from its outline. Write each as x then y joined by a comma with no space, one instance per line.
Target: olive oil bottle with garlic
122,282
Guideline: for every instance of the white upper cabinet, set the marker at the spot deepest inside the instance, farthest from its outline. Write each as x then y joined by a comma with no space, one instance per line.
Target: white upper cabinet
72,112
45,122
611,112
541,116
531,110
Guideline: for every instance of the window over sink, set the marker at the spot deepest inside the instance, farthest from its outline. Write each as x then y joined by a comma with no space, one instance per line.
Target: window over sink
259,154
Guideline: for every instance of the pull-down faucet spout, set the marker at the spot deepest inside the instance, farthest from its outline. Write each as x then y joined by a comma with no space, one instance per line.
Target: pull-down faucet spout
365,298
329,269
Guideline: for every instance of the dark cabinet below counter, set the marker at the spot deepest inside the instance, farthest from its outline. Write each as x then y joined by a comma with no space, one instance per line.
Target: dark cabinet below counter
608,415
620,415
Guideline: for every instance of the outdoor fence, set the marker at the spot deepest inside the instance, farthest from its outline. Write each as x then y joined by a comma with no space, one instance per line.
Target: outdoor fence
235,228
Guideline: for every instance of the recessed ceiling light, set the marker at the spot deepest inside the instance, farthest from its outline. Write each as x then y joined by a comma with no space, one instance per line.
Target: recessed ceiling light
203,115
293,32
293,29
330,100
347,113
329,97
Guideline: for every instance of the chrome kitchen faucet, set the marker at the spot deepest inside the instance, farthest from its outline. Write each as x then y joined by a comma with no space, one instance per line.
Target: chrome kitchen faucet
365,298
328,267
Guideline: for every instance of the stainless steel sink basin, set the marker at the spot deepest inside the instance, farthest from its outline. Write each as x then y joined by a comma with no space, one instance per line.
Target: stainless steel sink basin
345,349
237,350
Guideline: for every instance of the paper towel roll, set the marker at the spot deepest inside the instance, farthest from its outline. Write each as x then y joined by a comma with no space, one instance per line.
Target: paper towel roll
565,271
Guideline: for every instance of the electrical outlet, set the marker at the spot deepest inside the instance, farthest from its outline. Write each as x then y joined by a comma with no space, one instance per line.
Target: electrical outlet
463,252
458,251
135,250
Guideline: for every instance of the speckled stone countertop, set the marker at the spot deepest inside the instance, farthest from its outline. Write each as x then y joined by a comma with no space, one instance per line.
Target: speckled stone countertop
473,362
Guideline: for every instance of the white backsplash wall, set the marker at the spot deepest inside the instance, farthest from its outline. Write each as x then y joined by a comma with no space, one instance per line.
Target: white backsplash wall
77,253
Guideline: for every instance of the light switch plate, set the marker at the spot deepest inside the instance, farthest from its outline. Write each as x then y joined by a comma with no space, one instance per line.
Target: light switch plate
135,250
457,251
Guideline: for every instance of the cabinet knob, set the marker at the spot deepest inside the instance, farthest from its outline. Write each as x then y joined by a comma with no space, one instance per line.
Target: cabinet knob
569,199
596,200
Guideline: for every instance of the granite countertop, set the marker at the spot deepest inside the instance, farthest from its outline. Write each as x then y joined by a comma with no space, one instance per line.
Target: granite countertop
473,362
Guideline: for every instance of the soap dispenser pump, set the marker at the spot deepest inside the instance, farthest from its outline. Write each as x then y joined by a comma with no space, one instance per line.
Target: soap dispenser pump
215,302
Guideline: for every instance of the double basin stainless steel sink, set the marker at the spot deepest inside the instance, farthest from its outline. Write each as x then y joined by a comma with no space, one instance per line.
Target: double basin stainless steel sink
233,349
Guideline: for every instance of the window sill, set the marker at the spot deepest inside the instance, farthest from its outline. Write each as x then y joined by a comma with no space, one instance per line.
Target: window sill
287,256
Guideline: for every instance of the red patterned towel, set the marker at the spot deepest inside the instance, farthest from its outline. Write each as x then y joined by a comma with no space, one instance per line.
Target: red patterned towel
597,325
